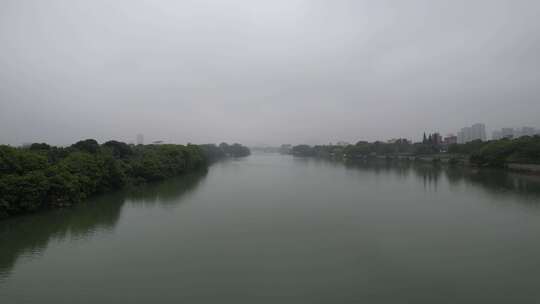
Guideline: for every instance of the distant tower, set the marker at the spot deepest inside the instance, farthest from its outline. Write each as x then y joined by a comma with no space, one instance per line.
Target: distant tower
140,139
507,132
478,132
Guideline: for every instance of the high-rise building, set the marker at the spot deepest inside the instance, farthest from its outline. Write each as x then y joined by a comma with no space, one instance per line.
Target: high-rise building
514,133
432,139
478,131
464,135
450,139
436,139
460,137
496,135
475,132
140,139
528,131
507,133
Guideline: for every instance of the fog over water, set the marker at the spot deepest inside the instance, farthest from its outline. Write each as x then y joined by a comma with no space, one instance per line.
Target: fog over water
287,71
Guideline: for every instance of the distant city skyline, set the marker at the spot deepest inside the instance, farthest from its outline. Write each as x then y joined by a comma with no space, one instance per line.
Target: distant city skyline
475,132
481,131
515,132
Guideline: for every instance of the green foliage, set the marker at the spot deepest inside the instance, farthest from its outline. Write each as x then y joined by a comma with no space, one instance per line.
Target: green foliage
64,188
234,150
501,152
303,150
467,148
39,146
526,150
423,149
497,153
42,176
22,192
118,149
361,149
20,161
237,150
87,145
213,152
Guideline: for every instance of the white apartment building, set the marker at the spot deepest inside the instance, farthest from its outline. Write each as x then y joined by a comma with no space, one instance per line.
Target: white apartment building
514,133
474,132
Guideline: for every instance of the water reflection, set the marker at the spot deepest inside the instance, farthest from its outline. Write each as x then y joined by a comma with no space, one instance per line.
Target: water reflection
30,235
493,181
166,192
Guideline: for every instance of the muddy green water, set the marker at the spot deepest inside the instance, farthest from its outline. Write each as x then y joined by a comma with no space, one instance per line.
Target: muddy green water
278,229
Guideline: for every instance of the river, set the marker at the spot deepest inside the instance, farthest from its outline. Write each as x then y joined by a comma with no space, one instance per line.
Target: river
271,228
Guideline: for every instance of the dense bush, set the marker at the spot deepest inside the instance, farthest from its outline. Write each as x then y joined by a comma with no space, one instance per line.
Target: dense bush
363,149
41,176
214,152
466,148
498,153
234,150
495,153
303,150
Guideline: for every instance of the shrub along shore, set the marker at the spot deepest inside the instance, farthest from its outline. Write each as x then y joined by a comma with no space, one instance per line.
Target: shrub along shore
520,154
41,176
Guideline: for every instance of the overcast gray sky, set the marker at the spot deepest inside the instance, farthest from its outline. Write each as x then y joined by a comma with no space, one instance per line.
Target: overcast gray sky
289,71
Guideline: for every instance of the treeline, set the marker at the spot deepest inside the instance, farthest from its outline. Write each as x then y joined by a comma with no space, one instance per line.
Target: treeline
363,149
214,152
499,153
495,153
42,176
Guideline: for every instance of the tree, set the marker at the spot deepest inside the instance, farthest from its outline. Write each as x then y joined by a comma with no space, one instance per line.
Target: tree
303,150
87,145
39,146
119,149
47,177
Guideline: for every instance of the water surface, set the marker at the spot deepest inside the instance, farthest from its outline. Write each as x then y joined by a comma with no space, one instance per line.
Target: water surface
278,229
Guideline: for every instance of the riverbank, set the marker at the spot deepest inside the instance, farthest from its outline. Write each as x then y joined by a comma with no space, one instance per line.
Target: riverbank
379,232
460,160
449,160
521,154
41,176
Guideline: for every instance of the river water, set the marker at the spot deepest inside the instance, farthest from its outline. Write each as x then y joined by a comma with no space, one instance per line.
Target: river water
277,229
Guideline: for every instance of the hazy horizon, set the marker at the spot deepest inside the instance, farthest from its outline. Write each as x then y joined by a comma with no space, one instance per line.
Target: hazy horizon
265,72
